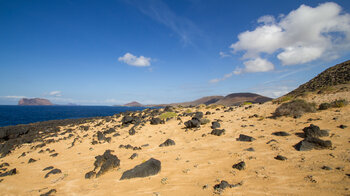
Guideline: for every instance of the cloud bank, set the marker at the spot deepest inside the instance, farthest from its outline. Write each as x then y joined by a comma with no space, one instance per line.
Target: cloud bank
55,93
132,60
304,35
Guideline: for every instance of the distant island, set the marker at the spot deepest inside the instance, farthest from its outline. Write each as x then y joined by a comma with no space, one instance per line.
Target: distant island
228,100
34,101
132,104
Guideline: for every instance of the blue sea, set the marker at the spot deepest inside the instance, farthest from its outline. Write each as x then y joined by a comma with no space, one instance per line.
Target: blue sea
14,115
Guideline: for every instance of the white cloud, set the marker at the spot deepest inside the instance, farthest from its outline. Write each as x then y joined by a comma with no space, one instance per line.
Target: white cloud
226,76
55,93
266,19
130,59
304,35
223,54
12,97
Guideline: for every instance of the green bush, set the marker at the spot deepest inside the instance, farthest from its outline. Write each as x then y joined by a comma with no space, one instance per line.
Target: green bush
282,99
166,115
295,108
334,104
247,103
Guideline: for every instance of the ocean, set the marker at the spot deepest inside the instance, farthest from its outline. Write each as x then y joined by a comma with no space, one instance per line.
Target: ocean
14,115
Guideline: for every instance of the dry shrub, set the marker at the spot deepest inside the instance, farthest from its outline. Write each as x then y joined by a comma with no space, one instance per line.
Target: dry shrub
295,108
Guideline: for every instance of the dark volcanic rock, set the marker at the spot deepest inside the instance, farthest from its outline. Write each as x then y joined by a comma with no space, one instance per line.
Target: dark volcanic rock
131,120
314,131
326,168
31,160
198,115
50,192
90,174
280,133
9,173
110,130
194,123
281,158
239,166
250,149
4,165
133,156
224,184
218,132
48,168
313,143
168,142
106,162
132,131
215,125
148,168
54,171
245,138
156,121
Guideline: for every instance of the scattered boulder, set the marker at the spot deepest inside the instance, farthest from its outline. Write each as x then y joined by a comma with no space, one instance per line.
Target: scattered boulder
106,162
218,132
215,125
343,126
31,160
245,138
281,133
194,123
132,131
250,149
133,156
314,131
48,168
281,158
110,130
224,184
4,165
130,120
148,168
310,143
54,171
90,174
50,192
156,121
326,168
240,166
168,142
9,173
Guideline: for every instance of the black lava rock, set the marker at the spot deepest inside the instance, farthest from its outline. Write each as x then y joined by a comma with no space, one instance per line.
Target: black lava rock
106,162
156,121
31,160
133,156
54,171
168,142
313,143
326,168
90,174
245,138
50,192
215,125
132,131
314,131
194,123
281,158
148,168
48,168
9,173
280,133
224,184
239,166
218,132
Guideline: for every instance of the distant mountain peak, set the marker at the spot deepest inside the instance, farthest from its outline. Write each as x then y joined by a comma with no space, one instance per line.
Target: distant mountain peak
34,101
133,104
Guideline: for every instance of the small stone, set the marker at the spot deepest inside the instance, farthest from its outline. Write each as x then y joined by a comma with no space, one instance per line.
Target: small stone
281,158
240,166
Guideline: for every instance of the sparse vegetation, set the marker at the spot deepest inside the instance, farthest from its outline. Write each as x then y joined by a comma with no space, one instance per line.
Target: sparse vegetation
188,111
247,103
295,108
167,115
282,99
334,104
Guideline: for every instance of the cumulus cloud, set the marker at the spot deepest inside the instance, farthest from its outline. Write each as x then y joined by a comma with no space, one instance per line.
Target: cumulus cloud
226,76
55,93
304,35
132,60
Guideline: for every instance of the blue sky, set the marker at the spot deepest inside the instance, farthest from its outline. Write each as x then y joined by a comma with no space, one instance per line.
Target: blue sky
118,51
